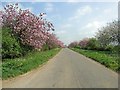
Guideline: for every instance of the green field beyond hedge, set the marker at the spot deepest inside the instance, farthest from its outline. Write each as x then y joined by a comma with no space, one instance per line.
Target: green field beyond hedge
106,58
14,67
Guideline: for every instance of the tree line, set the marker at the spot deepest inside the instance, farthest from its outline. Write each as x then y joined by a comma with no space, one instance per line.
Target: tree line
106,39
23,32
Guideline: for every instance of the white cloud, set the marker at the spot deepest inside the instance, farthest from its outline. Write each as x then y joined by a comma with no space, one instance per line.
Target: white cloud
81,12
62,29
107,14
84,10
91,28
94,24
49,7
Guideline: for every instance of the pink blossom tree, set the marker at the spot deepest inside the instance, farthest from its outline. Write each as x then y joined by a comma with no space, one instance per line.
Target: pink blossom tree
30,29
53,41
83,43
73,44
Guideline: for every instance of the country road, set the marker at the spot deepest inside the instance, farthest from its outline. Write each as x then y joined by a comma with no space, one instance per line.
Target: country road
67,69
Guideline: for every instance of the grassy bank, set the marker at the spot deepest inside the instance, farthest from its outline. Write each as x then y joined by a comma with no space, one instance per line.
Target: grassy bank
18,66
103,57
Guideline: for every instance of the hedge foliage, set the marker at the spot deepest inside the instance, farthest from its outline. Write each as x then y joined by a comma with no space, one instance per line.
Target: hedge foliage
11,46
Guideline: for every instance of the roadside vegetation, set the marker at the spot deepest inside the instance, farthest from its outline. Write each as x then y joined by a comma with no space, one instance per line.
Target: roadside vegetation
104,47
18,66
103,57
27,41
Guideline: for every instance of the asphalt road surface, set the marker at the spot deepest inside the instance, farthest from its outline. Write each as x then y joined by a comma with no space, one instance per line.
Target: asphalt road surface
67,69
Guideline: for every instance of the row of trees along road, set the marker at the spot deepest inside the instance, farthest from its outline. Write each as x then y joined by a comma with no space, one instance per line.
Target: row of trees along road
23,32
106,39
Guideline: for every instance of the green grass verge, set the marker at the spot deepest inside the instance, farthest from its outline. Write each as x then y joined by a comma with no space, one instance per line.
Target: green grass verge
18,66
103,57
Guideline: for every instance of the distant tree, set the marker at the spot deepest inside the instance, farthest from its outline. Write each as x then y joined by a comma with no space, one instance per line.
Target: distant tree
92,44
108,35
73,44
83,43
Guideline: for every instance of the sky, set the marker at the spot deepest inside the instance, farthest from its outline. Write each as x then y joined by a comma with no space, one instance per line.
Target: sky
74,21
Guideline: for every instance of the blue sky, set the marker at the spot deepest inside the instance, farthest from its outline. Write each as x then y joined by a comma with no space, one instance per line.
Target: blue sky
74,21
